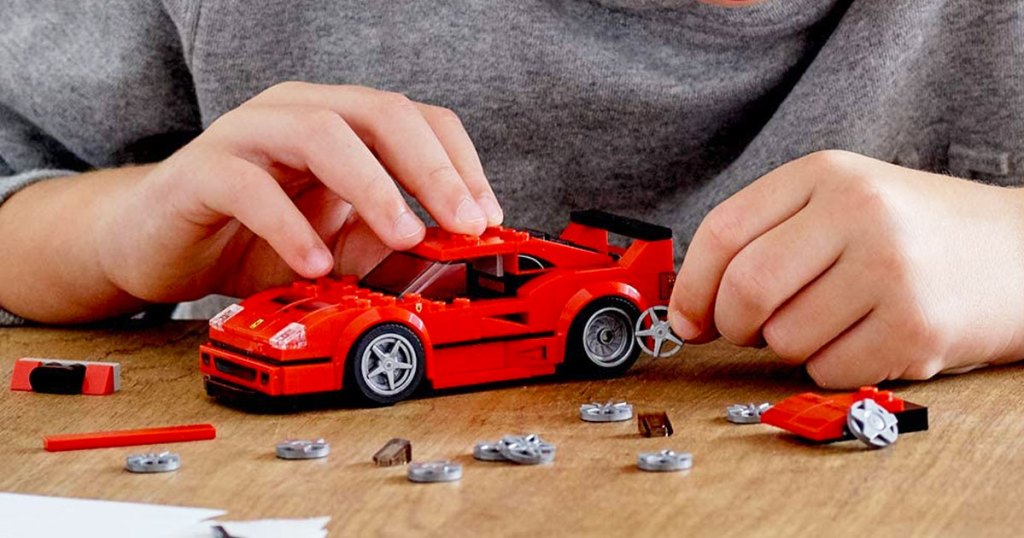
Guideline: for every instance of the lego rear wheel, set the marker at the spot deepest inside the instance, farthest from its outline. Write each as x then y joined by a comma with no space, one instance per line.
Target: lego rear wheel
601,340
386,364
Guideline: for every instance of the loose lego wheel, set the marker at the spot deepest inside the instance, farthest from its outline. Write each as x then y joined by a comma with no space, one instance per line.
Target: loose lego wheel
875,426
386,364
601,340
655,319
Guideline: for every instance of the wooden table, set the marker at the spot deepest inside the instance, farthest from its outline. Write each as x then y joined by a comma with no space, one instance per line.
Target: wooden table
964,476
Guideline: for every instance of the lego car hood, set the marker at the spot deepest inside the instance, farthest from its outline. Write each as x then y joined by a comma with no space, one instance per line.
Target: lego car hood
281,317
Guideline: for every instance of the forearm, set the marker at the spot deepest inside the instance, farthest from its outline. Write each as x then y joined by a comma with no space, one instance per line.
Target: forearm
52,270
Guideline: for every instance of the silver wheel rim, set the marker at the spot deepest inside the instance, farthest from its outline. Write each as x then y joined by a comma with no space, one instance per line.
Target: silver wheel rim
872,424
608,337
388,364
659,331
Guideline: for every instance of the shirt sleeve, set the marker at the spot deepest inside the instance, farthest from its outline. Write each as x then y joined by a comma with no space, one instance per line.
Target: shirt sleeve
9,185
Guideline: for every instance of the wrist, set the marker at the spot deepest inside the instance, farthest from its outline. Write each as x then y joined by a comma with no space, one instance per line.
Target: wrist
100,242
121,217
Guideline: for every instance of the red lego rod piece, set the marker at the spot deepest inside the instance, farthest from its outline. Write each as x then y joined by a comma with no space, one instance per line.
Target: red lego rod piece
147,436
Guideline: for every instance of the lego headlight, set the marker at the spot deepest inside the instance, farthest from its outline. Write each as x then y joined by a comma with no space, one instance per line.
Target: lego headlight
218,321
292,336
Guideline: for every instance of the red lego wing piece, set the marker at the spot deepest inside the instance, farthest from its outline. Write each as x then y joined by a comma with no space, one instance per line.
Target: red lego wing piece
823,418
809,415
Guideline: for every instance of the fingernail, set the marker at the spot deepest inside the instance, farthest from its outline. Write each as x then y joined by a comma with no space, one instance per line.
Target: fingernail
407,225
813,369
490,206
683,327
319,261
469,212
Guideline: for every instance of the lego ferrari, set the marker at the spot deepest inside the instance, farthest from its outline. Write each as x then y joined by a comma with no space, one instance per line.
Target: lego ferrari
455,311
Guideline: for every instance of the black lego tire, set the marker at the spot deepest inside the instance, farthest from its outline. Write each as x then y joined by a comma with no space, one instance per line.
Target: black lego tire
364,390
577,358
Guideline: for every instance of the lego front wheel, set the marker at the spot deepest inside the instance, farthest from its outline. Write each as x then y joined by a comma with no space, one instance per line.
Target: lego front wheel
601,341
386,364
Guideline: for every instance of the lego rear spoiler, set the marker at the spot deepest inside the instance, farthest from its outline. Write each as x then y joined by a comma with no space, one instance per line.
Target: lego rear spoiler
624,226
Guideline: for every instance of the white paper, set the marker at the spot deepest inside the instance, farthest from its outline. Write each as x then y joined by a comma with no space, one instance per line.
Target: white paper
36,516
39,516
268,528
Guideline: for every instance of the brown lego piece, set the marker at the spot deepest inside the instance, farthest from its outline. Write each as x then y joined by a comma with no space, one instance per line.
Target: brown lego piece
395,452
654,424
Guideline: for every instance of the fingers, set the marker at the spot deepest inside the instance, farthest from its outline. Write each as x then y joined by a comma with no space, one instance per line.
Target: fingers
727,230
884,345
250,195
772,269
821,312
326,212
320,141
456,142
854,360
360,250
394,128
846,362
891,342
408,147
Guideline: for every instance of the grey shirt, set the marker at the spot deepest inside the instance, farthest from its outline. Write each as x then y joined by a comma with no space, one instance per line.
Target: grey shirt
657,109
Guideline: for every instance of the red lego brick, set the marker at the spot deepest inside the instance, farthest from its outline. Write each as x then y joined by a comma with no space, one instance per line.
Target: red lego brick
100,378
147,436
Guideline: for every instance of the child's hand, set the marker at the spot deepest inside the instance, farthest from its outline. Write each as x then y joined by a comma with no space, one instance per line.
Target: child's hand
300,173
863,270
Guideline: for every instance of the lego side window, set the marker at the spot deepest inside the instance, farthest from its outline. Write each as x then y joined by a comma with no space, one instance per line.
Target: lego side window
496,276
486,277
489,265
529,263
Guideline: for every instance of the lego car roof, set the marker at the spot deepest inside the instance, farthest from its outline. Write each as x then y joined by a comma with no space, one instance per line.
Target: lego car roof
445,246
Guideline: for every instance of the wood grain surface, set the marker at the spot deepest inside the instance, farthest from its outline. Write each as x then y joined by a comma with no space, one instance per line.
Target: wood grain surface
963,477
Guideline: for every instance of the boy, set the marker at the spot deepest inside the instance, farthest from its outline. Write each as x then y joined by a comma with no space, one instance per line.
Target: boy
669,110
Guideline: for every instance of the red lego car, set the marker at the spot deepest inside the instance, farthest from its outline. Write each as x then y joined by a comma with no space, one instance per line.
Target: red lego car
454,310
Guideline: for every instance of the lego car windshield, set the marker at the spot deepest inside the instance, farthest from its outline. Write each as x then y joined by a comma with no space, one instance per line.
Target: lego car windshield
402,273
